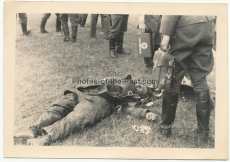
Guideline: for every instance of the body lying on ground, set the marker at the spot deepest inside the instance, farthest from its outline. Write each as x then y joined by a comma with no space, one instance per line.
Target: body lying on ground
71,112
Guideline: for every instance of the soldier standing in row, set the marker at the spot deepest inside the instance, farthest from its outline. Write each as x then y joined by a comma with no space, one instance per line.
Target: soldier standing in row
84,18
116,34
191,40
151,24
75,20
45,17
104,22
23,22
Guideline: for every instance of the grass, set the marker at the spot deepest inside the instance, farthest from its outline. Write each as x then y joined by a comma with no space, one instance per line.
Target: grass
45,66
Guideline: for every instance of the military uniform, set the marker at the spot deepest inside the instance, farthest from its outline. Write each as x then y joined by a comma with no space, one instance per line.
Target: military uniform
75,19
191,41
23,22
45,17
71,112
104,22
84,18
116,34
110,20
152,23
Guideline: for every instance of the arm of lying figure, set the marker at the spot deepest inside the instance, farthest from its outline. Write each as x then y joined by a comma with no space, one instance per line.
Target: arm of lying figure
140,113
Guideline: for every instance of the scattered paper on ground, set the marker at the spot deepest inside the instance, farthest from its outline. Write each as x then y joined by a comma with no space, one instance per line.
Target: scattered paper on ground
141,129
149,104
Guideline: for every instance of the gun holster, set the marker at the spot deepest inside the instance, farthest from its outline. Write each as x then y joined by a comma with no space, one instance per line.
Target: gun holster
163,67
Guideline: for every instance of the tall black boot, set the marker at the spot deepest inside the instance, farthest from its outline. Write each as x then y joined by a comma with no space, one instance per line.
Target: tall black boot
169,106
58,24
112,44
24,28
93,26
119,48
84,18
148,65
203,108
149,60
43,24
74,34
66,31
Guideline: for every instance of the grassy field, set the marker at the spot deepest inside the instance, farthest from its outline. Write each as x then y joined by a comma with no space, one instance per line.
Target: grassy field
45,66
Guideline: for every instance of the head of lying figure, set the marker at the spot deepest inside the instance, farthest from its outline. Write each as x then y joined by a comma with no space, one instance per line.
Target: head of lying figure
126,86
143,90
140,89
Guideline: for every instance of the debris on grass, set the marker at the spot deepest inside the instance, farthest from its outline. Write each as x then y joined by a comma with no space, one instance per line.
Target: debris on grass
149,104
141,129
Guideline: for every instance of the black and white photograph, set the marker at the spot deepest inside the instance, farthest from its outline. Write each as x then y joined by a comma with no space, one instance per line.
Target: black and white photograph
144,80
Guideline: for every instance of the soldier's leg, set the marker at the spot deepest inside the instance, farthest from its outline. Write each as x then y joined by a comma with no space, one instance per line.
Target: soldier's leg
23,22
93,25
170,100
105,24
84,18
64,22
110,20
58,110
148,60
200,64
185,48
75,21
43,22
203,109
151,22
86,113
120,37
58,23
114,32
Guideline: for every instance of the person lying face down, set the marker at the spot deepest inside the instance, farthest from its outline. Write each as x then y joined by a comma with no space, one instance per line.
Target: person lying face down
71,112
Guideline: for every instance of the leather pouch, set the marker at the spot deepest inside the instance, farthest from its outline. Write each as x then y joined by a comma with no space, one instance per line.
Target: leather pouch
163,66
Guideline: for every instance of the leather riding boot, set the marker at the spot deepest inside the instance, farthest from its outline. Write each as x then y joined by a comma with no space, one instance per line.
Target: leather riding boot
165,132
44,141
58,24
84,18
22,137
119,48
93,27
169,105
66,31
24,28
43,24
74,34
149,60
203,108
112,43
148,65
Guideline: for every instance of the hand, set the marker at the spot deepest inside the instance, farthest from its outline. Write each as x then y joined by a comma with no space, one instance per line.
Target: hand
165,42
142,28
151,116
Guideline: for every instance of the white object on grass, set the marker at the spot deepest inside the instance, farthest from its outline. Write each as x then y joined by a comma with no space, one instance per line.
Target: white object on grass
141,129
149,104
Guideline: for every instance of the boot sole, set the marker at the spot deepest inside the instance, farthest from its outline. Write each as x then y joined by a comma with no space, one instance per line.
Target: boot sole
21,140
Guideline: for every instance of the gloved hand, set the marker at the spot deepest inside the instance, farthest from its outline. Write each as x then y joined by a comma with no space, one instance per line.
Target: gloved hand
165,42
151,116
142,28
